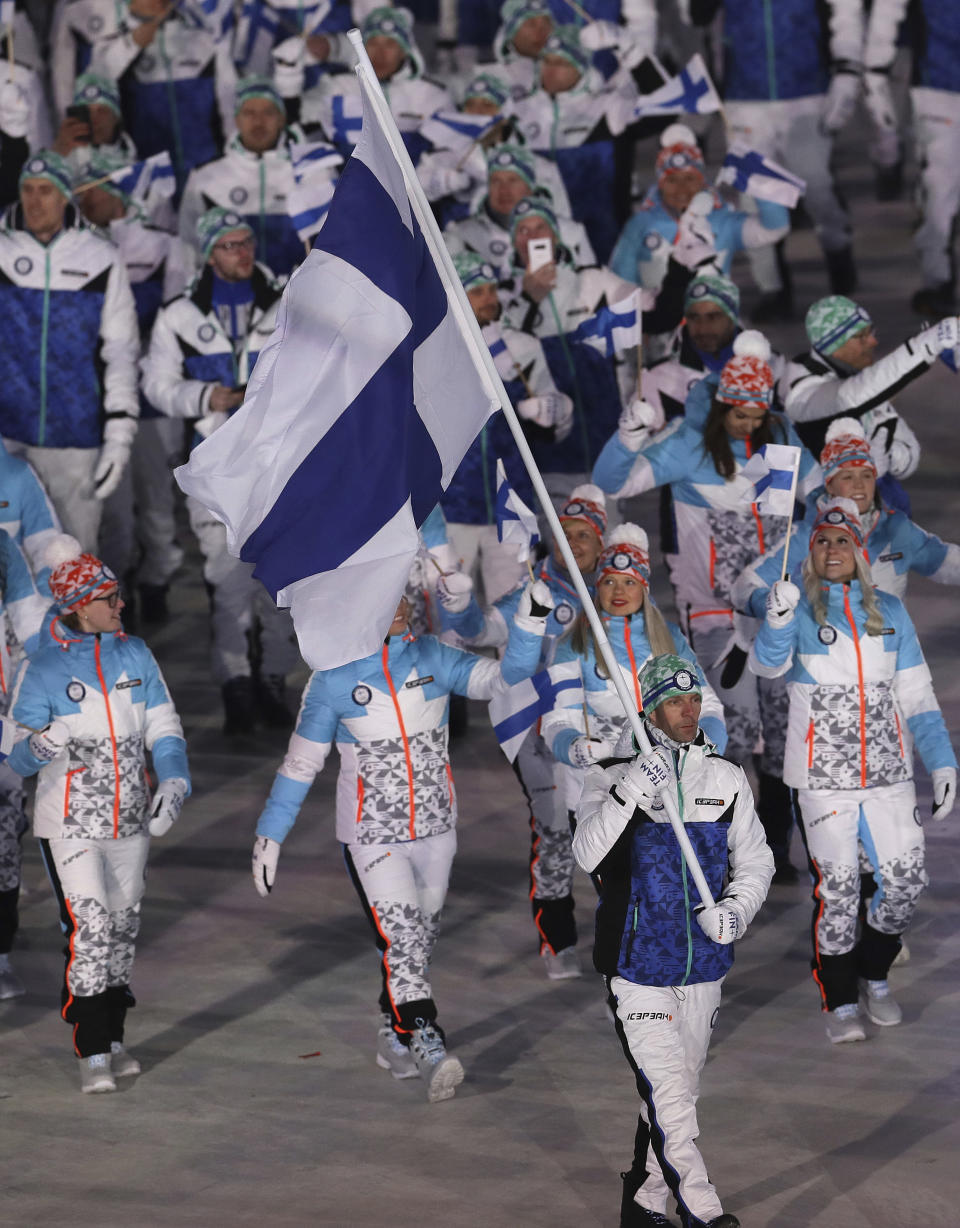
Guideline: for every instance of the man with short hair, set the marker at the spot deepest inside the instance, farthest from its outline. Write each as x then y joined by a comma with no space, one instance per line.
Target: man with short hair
68,378
202,351
664,956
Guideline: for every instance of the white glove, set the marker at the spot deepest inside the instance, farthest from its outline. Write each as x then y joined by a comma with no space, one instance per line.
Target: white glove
49,742
644,780
536,601
454,591
441,181
14,110
944,335
266,854
600,35
782,600
636,422
721,923
289,58
118,436
879,99
840,102
586,751
549,409
167,804
210,422
944,782
695,244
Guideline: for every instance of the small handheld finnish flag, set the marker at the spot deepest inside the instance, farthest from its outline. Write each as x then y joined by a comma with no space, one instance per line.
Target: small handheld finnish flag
515,710
614,329
309,156
308,204
748,171
690,92
153,178
772,474
515,521
455,129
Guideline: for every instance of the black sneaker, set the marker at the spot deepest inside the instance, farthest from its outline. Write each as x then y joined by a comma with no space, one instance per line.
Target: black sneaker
272,707
238,706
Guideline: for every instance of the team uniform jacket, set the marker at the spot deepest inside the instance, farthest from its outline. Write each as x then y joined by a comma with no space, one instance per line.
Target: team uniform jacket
109,691
22,611
471,497
781,49
894,546
858,703
70,346
816,391
26,513
177,93
718,533
594,108
387,714
334,103
481,233
646,929
265,23
668,383
930,29
257,186
190,352
643,248
578,294
562,726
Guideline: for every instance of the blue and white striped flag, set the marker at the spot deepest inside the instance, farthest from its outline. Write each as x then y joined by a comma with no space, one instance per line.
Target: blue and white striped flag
152,178
309,156
690,92
749,171
515,710
7,13
357,415
615,329
772,474
515,521
455,129
308,204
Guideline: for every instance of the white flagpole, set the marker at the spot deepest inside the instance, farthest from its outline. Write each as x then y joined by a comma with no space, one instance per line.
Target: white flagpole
470,330
793,499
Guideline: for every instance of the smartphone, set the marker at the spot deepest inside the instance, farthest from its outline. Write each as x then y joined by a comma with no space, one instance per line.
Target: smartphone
81,111
539,253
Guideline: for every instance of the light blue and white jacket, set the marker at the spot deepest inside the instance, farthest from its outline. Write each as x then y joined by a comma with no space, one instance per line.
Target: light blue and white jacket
894,546
26,513
388,714
717,532
22,611
109,691
643,249
858,703
628,639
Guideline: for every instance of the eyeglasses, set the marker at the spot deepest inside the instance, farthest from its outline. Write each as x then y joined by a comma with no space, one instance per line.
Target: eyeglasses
235,245
112,599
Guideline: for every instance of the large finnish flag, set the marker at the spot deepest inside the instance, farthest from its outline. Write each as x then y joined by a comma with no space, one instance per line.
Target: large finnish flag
690,92
359,410
749,171
515,710
772,472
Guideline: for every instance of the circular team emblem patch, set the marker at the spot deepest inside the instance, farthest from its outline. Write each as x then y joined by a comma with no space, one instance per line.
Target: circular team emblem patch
232,219
498,247
361,695
827,635
22,265
95,24
147,63
683,680
36,165
532,130
238,196
503,159
76,691
652,240
206,333
699,290
621,560
90,91
563,613
834,517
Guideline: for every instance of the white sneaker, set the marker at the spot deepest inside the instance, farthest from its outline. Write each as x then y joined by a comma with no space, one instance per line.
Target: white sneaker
561,965
843,1024
10,984
393,1054
122,1063
95,1074
881,1006
441,1072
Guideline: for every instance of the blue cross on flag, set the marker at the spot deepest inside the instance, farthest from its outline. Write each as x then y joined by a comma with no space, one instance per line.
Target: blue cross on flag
748,171
308,203
515,521
515,710
455,129
359,411
691,92
772,474
151,179
614,330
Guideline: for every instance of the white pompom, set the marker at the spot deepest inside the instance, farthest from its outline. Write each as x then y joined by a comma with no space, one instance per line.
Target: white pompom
61,549
752,343
628,534
844,426
676,134
593,494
